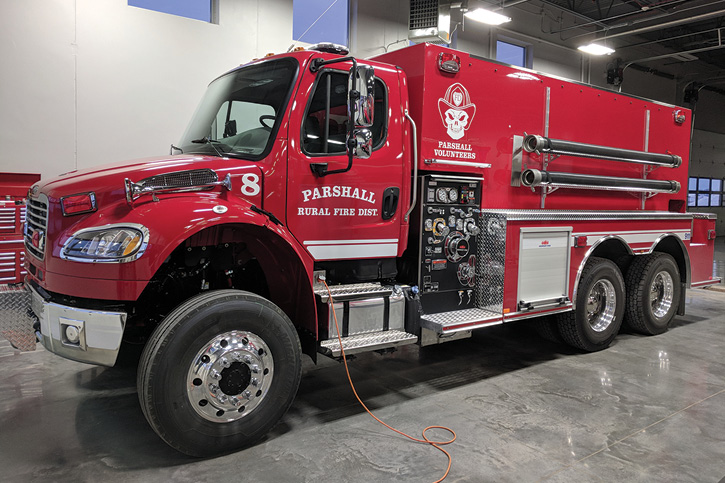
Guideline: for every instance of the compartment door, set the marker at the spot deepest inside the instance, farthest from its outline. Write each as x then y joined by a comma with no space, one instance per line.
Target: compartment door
544,257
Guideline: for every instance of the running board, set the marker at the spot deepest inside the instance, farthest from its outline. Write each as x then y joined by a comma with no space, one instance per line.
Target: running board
367,342
457,320
355,291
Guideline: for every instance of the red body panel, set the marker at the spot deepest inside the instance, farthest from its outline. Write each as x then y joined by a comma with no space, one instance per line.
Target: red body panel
499,101
702,249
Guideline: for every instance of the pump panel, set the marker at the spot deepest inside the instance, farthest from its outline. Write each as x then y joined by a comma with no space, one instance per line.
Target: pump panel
449,231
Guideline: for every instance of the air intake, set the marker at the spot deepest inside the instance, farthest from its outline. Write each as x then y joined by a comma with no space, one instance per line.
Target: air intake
430,21
178,181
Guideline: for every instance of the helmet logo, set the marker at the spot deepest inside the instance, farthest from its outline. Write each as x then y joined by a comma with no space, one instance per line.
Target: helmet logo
456,110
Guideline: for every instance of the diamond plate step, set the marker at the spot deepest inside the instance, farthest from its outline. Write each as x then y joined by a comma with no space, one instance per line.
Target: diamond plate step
341,293
367,342
457,320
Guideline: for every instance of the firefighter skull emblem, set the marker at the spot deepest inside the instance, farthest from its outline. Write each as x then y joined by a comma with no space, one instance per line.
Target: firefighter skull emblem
456,110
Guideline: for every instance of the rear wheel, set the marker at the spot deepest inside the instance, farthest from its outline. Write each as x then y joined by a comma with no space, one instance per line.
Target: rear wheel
595,322
653,293
219,372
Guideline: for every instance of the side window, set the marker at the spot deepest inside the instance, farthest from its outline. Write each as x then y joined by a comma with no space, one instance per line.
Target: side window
326,123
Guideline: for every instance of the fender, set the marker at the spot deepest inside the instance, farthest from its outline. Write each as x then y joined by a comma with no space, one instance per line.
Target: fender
662,244
170,221
609,238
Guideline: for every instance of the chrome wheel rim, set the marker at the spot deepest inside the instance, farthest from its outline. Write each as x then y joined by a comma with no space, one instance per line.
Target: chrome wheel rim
230,376
661,294
601,305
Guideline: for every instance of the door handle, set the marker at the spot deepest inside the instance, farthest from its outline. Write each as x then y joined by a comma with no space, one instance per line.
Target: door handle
390,202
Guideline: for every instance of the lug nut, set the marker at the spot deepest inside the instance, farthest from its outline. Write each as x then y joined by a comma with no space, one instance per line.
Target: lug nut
223,398
213,388
237,356
254,382
248,359
225,362
247,394
236,401
255,369
214,374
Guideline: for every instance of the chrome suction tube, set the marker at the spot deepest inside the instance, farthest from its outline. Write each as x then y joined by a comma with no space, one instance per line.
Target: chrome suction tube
533,143
534,177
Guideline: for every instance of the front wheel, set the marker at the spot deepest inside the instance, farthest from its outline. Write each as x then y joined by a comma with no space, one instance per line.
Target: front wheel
599,307
219,372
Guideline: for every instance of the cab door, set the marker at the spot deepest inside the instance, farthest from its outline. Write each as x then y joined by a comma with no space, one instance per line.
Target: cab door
356,214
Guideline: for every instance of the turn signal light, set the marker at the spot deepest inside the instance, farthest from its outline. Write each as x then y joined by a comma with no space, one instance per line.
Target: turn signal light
77,204
449,62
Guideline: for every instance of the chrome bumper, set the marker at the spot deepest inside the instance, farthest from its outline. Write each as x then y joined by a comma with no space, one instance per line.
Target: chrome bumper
82,335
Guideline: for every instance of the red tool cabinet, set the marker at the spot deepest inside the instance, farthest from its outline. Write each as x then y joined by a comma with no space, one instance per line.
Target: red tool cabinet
13,192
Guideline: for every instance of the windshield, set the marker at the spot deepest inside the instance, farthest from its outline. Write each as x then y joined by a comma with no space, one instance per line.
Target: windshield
241,111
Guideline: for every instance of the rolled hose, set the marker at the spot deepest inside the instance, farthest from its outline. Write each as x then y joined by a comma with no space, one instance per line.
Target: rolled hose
535,143
534,177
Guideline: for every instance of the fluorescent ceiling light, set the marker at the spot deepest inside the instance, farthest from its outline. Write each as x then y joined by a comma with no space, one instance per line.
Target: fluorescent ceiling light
486,16
596,49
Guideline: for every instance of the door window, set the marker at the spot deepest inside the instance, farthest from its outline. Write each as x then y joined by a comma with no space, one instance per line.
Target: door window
326,123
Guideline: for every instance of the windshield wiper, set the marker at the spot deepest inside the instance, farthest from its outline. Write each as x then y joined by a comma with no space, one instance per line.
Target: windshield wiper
208,140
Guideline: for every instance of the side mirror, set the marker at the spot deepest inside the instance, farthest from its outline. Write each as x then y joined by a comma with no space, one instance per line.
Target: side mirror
361,144
362,81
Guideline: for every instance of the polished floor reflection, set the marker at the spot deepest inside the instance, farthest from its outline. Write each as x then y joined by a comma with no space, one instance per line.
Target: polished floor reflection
648,409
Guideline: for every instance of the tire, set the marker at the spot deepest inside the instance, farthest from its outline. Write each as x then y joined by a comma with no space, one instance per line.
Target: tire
599,307
548,328
255,351
653,293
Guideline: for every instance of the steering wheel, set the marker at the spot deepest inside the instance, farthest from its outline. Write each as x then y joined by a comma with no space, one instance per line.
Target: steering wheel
266,117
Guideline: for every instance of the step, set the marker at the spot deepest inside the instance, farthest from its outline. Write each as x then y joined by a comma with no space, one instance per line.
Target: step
457,320
341,293
367,342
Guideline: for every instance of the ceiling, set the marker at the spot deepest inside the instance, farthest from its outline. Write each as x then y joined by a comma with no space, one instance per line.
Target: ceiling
683,39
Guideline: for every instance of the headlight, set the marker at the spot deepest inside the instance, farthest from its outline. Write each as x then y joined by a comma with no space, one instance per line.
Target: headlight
111,244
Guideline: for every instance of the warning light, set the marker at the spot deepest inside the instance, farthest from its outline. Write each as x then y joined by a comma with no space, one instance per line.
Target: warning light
449,62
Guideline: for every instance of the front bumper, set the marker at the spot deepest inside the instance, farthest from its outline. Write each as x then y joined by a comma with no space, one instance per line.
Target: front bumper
83,335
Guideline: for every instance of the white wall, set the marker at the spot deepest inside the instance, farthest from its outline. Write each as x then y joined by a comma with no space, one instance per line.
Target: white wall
86,82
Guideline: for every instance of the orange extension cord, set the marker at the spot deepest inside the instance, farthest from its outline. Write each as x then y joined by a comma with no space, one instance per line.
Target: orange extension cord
435,444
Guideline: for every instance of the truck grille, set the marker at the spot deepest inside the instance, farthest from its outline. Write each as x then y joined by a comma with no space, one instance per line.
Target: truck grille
36,217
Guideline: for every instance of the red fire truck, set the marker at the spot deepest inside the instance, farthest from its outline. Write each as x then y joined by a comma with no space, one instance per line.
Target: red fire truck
434,192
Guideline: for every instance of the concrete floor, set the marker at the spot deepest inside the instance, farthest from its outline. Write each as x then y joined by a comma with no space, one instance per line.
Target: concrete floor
647,409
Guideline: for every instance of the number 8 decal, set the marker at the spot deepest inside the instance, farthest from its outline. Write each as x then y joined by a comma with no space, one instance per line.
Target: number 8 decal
250,184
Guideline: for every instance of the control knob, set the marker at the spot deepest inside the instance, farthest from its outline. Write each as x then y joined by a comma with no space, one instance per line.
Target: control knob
472,228
441,228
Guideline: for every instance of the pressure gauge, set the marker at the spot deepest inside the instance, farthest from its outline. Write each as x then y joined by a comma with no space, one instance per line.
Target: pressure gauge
453,195
441,195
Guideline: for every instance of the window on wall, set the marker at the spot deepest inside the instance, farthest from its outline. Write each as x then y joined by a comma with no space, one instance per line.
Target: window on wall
196,9
315,21
707,192
511,53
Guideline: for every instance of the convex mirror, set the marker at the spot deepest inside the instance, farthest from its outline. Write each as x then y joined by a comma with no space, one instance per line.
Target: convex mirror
362,80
